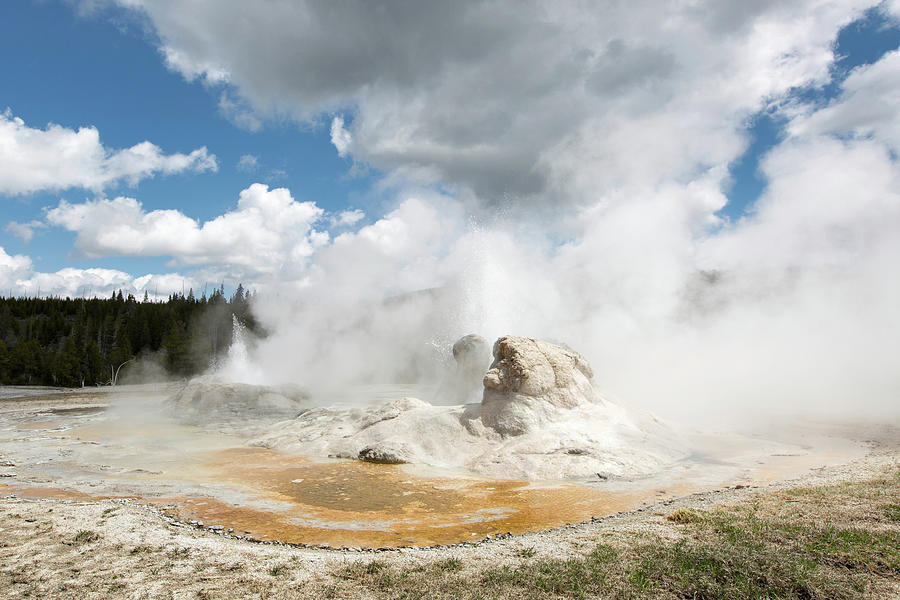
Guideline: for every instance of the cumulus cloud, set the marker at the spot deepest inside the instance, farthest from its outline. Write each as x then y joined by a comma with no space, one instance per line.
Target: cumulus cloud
161,285
13,267
57,158
19,278
508,98
267,234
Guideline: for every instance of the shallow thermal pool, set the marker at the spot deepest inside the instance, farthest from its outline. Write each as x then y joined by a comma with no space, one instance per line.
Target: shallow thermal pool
104,444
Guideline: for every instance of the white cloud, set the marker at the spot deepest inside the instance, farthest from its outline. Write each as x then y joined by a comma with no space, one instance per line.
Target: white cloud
893,8
13,268
18,278
508,98
248,162
340,137
236,111
266,234
76,282
347,218
191,70
161,285
789,308
24,231
58,158
867,106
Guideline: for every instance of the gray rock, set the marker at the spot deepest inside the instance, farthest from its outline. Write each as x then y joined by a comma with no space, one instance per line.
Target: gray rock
385,454
472,351
472,354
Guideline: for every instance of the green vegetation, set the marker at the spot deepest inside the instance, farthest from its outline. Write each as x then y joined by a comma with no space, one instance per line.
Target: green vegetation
449,564
835,542
528,552
83,342
85,536
892,511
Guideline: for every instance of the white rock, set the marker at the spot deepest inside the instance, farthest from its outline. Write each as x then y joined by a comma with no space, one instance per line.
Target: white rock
541,419
531,383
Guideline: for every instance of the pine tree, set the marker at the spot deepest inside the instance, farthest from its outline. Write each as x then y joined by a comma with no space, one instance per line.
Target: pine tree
93,365
174,347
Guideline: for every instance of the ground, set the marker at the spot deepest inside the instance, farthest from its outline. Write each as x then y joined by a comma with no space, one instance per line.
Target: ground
834,532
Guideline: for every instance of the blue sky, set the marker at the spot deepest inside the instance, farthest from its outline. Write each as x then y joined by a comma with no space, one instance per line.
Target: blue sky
103,66
103,70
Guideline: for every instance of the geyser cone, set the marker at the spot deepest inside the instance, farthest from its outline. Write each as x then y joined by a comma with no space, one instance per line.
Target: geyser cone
541,419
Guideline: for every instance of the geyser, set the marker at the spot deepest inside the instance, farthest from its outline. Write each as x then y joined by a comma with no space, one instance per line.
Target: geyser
540,418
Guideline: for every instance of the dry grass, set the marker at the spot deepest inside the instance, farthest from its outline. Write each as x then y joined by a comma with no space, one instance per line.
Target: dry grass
683,516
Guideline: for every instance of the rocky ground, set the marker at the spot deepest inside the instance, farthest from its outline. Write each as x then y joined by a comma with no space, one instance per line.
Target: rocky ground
55,548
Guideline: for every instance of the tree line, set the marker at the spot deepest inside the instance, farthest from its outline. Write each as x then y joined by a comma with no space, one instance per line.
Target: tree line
83,342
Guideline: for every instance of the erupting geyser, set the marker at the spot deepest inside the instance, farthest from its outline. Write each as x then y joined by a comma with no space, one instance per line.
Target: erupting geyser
540,418
229,395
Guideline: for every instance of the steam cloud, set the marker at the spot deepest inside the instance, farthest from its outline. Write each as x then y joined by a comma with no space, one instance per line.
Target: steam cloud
581,158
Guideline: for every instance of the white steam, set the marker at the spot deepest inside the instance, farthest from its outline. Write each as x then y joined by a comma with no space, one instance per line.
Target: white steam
582,158
792,308
236,366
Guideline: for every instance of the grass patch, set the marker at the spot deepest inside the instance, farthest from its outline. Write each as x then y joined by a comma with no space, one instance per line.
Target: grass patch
449,564
528,552
891,511
85,536
551,577
375,566
683,516
179,553
856,548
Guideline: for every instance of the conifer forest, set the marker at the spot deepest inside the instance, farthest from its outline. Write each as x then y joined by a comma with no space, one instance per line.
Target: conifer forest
87,342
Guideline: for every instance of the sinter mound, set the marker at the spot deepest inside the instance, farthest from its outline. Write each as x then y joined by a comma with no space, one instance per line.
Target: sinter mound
203,402
540,418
